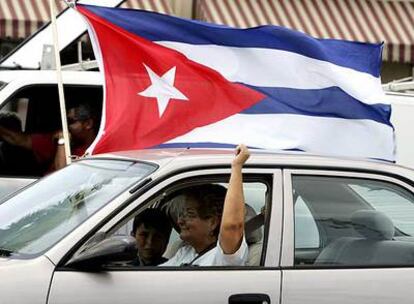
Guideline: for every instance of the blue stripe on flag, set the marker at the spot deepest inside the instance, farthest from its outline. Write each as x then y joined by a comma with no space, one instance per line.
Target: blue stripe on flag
329,102
363,57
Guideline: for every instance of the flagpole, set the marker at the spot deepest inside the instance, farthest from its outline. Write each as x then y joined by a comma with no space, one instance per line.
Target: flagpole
60,83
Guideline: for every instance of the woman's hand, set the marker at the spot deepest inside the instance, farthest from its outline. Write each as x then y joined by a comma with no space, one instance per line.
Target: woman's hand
242,155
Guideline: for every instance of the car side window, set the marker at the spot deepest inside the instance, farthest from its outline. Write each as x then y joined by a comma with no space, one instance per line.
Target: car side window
359,222
172,205
306,229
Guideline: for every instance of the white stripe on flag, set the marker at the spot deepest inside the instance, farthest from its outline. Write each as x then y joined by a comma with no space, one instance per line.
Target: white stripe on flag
359,138
276,68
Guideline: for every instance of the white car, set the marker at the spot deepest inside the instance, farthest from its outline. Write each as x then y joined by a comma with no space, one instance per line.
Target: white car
320,230
32,93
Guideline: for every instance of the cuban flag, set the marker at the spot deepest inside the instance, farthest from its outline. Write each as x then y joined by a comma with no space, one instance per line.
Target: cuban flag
172,82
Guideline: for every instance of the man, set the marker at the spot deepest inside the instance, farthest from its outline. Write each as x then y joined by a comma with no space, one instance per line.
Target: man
47,148
83,127
151,229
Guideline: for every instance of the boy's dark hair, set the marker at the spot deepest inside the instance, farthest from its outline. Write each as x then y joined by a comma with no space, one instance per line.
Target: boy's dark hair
153,218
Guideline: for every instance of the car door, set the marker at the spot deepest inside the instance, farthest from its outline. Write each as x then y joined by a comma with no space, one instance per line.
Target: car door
247,284
348,238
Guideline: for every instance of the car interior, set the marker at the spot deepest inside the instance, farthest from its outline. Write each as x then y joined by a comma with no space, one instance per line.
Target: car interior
257,201
337,225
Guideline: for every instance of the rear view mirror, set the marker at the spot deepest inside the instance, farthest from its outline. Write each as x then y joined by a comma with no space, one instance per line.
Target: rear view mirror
113,249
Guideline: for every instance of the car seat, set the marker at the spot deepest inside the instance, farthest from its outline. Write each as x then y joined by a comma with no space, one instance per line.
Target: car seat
376,246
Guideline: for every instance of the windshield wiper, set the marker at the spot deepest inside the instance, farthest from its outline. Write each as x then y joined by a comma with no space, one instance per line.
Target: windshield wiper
5,252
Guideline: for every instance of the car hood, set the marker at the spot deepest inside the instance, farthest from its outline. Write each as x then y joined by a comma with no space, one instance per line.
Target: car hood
25,281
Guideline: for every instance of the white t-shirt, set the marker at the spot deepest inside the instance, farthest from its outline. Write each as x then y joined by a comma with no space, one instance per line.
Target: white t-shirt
213,257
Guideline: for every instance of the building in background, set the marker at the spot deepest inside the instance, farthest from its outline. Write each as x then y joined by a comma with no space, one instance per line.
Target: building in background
391,21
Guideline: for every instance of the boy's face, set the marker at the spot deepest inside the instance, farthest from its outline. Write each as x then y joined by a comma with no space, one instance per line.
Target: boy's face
151,243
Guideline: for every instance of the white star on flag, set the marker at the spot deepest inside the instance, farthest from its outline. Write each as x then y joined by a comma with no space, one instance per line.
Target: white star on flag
162,88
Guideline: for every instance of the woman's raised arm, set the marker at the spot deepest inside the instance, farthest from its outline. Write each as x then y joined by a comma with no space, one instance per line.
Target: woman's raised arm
232,222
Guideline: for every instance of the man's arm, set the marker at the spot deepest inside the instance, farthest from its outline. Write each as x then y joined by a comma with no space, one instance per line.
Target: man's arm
16,138
60,157
232,223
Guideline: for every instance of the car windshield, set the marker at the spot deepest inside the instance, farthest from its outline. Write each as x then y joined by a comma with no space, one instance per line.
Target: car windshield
37,218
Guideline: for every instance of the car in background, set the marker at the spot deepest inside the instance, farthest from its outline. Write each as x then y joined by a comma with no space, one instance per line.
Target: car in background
320,230
33,97
28,83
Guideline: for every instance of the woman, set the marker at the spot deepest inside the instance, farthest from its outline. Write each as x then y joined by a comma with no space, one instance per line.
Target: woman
214,232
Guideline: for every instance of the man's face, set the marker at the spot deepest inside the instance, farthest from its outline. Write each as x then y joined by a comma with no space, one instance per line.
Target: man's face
76,127
151,243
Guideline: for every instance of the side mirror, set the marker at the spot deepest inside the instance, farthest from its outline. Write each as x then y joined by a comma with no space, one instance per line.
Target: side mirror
113,249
